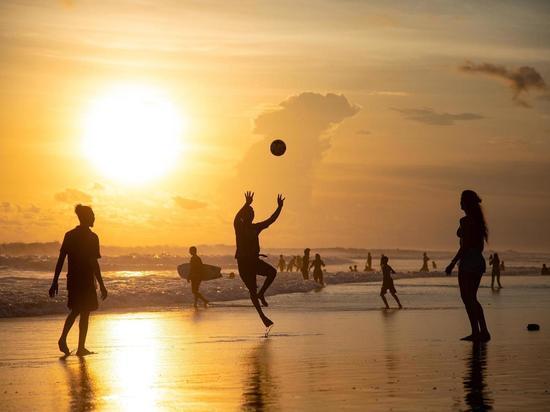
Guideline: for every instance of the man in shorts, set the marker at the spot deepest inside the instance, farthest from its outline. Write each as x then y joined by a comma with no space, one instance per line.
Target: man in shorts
248,252
81,245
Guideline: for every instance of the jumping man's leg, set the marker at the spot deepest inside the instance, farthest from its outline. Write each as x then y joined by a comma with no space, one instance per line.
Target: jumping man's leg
265,269
247,272
62,343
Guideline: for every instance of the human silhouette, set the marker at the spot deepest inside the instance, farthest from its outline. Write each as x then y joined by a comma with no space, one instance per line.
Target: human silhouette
291,262
544,270
298,263
317,264
472,233
494,261
248,252
355,268
368,265
387,283
351,268
425,260
81,246
196,270
282,264
434,265
305,264
475,394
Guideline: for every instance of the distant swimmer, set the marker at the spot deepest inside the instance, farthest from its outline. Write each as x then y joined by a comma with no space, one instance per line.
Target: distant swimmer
291,262
317,264
196,270
351,268
387,283
282,264
425,260
494,261
248,253
544,270
355,268
81,246
305,264
368,266
434,265
473,234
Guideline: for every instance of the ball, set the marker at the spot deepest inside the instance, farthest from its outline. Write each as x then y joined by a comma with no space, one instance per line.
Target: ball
278,147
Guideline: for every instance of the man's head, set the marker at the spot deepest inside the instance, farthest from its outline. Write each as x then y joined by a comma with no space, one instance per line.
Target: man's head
384,259
248,214
85,215
193,250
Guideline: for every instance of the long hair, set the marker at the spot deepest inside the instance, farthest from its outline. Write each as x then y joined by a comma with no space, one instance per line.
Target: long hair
472,206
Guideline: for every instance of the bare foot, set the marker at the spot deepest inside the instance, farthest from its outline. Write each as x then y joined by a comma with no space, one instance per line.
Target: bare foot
262,299
62,343
267,322
84,352
469,338
484,337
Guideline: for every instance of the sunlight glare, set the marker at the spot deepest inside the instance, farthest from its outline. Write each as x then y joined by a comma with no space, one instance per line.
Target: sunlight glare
132,133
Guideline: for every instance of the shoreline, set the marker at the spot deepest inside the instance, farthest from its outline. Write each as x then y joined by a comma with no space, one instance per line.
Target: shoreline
175,293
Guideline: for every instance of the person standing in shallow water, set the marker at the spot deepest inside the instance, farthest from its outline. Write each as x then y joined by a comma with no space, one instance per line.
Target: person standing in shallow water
317,264
425,260
305,264
248,252
196,270
81,246
494,261
282,264
473,234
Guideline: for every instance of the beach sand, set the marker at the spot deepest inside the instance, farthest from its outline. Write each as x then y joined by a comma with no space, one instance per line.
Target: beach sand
331,349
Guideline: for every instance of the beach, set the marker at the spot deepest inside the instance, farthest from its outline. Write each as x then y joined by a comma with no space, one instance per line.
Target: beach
332,348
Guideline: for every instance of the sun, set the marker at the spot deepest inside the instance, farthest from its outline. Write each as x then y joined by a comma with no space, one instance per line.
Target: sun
133,133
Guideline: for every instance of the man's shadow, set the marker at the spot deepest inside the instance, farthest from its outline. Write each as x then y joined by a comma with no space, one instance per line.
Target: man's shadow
82,391
475,388
259,391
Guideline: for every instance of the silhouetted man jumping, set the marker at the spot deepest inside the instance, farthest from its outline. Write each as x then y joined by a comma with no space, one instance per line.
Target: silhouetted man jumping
248,252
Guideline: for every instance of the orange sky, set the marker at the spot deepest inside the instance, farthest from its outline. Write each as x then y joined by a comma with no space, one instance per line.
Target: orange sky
388,113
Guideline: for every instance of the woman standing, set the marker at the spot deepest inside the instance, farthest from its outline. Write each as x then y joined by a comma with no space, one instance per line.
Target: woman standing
494,261
472,233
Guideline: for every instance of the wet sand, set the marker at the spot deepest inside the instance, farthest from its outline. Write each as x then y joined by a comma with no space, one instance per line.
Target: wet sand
333,349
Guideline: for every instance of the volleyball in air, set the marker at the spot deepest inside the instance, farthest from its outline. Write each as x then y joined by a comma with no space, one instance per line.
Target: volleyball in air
278,147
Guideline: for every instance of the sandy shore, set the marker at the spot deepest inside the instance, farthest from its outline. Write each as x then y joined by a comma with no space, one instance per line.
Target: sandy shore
340,357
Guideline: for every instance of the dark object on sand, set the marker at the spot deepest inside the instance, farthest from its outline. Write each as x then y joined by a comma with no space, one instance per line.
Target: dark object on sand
533,326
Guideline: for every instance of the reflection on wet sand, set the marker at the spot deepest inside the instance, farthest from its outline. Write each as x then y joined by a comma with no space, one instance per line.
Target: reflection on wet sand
476,395
81,385
260,388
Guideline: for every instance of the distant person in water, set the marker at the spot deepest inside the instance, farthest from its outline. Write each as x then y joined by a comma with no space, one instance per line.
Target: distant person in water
81,246
317,264
305,264
494,261
248,252
425,260
196,271
355,268
291,262
298,263
368,267
282,264
544,270
471,265
387,282
351,268
434,265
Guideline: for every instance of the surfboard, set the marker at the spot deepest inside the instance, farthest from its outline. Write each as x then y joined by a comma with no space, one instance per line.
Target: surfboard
209,271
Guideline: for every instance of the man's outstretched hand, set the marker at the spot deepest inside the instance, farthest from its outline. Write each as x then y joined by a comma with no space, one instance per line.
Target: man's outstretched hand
249,198
280,200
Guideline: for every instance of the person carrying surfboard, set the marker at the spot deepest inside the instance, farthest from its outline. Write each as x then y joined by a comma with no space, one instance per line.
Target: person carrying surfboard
196,270
248,253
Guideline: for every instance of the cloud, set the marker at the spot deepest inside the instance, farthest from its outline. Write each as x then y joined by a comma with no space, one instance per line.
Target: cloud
389,93
521,80
73,196
363,132
431,117
189,204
